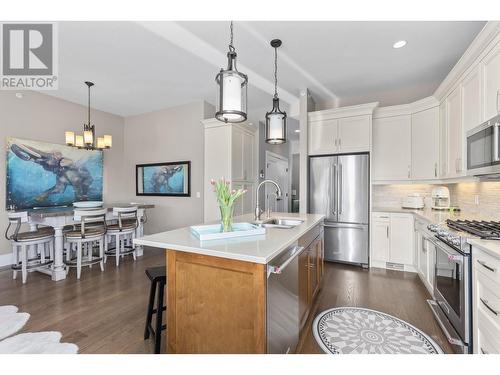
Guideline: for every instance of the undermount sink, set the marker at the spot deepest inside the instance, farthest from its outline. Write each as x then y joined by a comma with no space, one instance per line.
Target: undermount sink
282,223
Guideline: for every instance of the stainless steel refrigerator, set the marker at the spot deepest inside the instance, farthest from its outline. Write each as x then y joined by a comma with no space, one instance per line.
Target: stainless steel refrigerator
339,189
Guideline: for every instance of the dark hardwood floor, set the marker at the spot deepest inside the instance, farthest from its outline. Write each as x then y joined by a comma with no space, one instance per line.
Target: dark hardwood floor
400,294
105,312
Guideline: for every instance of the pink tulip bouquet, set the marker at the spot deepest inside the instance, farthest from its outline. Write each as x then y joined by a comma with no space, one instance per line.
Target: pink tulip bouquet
226,197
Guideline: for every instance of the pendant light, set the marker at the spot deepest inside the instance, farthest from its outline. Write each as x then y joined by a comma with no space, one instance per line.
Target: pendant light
232,96
88,139
276,118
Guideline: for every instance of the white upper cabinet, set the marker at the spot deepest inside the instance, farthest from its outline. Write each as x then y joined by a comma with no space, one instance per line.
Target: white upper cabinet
323,137
354,134
425,144
391,148
443,141
230,152
491,83
456,137
242,162
340,130
471,100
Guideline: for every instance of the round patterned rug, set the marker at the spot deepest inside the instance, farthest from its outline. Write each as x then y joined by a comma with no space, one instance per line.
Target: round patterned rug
353,330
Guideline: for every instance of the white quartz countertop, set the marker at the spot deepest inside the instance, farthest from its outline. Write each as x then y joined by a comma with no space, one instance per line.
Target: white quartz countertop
491,247
256,249
436,216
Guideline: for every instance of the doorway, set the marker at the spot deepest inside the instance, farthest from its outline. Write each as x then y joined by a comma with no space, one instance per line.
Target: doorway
277,169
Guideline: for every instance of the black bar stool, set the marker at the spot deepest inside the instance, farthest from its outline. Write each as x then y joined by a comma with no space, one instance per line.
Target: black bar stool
158,278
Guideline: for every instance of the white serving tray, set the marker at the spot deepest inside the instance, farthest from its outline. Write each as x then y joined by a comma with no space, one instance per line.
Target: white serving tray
214,231
87,204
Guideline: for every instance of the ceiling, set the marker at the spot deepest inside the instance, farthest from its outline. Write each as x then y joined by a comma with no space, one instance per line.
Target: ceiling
140,67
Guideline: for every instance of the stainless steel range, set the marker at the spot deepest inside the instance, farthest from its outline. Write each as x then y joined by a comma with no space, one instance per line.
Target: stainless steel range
453,285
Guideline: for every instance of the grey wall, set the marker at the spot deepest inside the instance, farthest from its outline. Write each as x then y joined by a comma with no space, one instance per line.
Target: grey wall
44,118
173,134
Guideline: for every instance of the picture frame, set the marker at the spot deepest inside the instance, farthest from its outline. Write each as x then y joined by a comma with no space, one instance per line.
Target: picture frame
168,179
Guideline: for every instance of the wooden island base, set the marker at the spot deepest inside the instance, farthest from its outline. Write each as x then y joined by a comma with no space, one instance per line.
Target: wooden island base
215,305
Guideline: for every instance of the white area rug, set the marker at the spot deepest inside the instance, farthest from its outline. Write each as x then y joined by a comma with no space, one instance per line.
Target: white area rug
11,321
28,343
352,330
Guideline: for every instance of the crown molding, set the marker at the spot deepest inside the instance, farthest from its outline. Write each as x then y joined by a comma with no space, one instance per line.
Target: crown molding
354,110
406,109
474,53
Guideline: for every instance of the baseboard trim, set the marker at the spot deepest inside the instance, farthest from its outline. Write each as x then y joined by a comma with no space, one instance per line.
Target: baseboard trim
5,260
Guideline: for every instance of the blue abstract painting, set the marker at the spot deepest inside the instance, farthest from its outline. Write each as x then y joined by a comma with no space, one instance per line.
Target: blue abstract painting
43,174
163,179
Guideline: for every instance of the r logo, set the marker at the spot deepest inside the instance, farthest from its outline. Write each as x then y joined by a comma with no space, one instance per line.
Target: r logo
27,49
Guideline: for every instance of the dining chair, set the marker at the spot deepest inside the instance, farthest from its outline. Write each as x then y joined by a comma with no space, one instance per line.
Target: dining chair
31,250
123,232
91,230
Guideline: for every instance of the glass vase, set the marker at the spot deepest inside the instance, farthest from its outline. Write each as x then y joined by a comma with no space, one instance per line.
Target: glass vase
226,217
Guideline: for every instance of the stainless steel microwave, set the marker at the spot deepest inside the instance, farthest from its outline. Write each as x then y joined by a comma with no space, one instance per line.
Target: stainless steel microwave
483,154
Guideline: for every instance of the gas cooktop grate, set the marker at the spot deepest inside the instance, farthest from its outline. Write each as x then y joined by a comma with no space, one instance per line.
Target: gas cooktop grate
489,230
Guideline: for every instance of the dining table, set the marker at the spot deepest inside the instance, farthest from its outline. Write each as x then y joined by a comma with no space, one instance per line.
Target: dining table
60,217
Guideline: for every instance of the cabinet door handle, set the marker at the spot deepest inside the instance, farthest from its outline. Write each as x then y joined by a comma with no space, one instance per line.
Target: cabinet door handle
485,303
409,171
435,169
387,230
340,142
486,266
498,95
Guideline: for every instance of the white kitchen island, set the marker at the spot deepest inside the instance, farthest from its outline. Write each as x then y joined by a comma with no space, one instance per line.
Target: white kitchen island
217,290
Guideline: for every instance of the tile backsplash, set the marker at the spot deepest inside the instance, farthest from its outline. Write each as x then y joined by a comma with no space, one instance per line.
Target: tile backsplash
462,195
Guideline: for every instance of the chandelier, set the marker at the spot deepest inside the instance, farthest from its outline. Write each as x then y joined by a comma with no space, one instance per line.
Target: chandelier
88,140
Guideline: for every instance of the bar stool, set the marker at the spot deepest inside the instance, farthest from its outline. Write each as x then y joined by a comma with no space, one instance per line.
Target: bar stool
123,231
158,278
92,229
36,247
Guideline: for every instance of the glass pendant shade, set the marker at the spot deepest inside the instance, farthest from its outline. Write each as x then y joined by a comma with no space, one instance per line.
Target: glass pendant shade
232,97
88,137
108,141
276,125
79,141
100,143
70,138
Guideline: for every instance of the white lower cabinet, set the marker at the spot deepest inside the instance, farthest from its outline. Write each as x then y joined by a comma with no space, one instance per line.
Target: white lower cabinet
485,302
392,241
425,252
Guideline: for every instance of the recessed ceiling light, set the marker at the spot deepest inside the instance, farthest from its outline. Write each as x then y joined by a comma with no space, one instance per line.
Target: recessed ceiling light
399,44
297,130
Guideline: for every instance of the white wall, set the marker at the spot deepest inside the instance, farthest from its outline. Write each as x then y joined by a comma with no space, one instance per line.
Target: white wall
44,118
173,134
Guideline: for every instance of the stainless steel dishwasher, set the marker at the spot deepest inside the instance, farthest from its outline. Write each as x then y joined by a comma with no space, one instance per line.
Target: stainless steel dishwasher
283,301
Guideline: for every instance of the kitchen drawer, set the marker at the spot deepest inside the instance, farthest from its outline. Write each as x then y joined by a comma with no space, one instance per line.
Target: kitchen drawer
381,216
485,344
489,329
487,265
488,299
